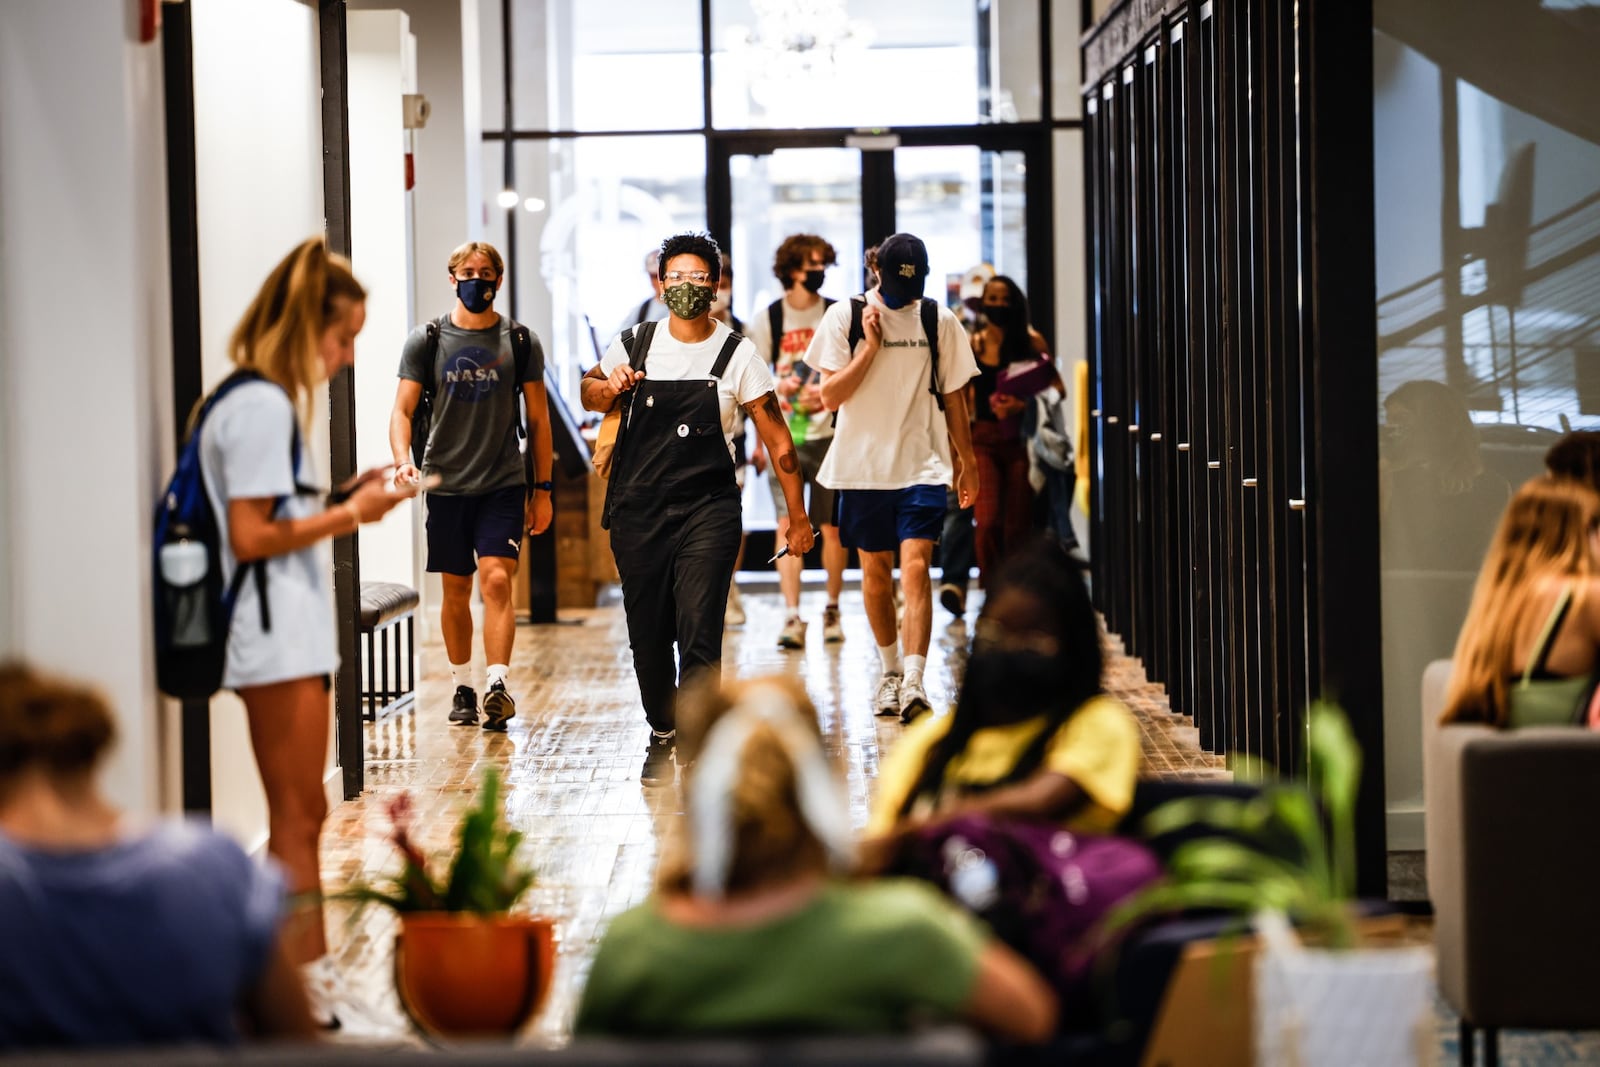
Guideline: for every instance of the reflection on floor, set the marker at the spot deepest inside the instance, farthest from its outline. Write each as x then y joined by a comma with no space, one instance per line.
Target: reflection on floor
571,763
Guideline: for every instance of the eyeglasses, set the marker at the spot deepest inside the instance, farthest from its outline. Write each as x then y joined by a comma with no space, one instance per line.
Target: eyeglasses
698,277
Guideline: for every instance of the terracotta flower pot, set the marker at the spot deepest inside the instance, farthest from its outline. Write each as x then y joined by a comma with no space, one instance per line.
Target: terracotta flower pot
463,975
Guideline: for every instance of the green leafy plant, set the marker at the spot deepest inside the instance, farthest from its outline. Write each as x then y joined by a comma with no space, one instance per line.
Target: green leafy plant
484,876
1275,851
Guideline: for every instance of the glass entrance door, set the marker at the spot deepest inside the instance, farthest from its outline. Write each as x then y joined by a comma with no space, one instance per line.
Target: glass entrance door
968,202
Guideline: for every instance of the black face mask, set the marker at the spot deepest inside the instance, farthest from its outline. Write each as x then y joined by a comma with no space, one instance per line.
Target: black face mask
813,280
999,314
1013,685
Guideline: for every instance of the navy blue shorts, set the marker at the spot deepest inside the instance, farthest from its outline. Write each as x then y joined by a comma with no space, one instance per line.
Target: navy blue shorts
878,520
463,528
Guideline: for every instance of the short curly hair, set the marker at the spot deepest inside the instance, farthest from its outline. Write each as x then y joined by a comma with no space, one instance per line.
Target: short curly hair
792,254
692,244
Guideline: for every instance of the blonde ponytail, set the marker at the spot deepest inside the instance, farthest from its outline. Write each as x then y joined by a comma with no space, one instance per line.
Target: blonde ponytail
279,333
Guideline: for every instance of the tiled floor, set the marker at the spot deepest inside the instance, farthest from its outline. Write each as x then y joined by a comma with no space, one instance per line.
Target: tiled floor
571,763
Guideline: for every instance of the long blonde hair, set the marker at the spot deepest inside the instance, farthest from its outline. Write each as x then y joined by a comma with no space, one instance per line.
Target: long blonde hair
1545,536
770,838
282,328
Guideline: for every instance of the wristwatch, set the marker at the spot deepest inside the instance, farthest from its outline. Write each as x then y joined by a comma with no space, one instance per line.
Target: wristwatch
547,486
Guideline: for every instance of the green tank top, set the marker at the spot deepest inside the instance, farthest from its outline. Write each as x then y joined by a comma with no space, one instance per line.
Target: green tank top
1547,701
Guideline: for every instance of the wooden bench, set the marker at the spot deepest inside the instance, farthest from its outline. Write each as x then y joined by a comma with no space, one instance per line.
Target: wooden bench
384,606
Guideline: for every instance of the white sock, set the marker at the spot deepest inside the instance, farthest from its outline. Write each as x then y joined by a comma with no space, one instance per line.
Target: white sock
496,673
914,668
890,654
461,674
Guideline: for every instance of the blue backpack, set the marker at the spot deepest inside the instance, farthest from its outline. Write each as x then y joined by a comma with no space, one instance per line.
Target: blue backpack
193,611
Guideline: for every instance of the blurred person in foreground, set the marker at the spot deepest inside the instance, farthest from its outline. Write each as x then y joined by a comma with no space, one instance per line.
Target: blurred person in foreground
751,931
115,932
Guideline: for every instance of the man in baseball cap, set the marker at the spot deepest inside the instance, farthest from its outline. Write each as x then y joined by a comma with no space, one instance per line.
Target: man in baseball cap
895,367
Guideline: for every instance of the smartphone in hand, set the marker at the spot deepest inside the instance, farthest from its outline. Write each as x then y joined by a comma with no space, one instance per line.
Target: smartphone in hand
802,370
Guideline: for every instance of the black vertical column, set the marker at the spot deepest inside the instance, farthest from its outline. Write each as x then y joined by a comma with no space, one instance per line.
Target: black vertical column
183,228
341,396
1340,291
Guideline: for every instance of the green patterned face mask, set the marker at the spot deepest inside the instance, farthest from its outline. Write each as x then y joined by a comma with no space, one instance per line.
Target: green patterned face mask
689,301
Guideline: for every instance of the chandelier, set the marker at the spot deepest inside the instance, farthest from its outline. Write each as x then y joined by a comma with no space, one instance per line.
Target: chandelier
795,44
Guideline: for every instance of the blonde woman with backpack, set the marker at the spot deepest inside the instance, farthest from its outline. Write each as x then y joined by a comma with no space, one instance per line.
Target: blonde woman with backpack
298,332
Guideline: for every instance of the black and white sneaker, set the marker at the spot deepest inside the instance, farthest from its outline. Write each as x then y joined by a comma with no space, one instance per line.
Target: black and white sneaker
498,708
658,756
464,708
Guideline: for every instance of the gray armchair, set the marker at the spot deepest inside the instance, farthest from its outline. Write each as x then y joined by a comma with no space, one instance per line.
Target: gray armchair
1514,872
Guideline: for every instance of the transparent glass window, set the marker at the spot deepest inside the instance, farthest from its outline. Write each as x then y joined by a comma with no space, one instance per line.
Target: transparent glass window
788,191
794,190
1487,227
587,211
826,63
968,207
619,65
1066,60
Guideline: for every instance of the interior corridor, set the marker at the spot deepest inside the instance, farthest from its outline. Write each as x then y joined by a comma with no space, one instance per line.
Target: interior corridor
571,761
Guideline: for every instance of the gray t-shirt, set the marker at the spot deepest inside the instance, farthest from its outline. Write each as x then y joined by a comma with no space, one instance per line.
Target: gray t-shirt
472,442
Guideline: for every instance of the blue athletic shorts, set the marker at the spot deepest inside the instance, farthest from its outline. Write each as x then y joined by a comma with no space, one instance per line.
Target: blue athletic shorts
462,528
878,520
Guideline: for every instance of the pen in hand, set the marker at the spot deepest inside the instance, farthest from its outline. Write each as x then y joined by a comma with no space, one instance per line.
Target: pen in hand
784,551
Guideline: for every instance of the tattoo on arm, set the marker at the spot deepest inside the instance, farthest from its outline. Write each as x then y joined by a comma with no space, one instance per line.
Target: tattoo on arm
788,463
769,404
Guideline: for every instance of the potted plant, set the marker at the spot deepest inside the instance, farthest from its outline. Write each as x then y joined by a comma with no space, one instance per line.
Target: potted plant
463,965
1284,861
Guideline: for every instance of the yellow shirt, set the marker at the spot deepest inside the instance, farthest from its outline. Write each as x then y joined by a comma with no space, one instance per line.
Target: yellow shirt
1098,748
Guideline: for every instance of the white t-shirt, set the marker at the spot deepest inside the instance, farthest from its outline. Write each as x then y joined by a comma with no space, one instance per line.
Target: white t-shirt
670,360
891,434
798,328
244,454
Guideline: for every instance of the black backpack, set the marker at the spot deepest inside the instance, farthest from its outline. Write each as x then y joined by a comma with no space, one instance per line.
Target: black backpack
930,327
193,611
422,417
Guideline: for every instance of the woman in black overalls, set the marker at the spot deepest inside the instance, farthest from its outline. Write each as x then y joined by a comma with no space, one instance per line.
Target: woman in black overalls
673,504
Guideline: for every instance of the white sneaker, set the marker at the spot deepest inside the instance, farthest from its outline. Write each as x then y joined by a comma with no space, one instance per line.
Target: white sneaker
794,633
887,700
340,1012
734,614
913,700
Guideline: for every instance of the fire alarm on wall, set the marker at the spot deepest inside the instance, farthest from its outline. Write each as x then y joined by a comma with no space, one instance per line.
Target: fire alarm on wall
415,109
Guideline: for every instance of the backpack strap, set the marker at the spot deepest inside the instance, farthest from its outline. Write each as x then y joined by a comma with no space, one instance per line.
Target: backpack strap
728,348
637,343
930,326
858,304
521,356
775,324
642,316
431,330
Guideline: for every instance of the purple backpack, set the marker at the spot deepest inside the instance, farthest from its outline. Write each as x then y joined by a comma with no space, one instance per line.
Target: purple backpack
1041,889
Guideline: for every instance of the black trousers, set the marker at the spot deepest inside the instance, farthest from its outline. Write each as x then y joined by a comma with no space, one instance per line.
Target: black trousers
675,566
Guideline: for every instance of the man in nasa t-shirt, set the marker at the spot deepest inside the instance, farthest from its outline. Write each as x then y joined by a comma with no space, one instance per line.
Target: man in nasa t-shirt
483,500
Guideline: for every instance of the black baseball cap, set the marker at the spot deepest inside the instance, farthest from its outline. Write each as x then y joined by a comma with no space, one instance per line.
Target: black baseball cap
902,267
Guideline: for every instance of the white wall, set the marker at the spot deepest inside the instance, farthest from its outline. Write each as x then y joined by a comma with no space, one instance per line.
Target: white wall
382,67
85,302
446,209
258,172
